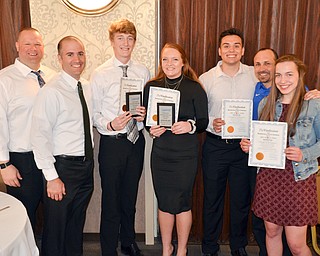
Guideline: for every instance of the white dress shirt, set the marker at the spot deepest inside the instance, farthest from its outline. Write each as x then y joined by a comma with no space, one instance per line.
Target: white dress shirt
18,90
105,82
219,86
57,122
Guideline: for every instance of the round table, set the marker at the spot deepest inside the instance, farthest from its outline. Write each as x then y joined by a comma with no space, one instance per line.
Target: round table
16,235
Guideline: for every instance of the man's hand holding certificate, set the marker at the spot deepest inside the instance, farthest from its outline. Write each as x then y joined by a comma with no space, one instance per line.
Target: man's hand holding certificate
237,115
130,94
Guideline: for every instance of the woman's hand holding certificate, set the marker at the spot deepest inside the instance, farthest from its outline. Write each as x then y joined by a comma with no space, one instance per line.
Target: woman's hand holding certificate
268,144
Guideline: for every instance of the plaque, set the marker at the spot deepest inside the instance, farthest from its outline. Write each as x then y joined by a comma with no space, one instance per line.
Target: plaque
128,85
161,95
133,100
166,114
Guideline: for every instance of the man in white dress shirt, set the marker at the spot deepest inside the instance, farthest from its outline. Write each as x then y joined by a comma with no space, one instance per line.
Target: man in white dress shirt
19,85
120,160
62,145
223,160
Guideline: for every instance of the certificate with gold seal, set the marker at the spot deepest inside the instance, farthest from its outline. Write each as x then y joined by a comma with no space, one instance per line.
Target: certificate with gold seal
128,86
268,142
161,95
237,115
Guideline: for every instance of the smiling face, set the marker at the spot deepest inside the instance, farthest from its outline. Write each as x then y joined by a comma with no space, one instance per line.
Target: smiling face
286,79
231,49
72,57
171,63
123,45
30,48
264,64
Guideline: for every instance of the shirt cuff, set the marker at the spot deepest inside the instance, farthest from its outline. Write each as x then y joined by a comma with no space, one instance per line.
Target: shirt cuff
50,174
193,126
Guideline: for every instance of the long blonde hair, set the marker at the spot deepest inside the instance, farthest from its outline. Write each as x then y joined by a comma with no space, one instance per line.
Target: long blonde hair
268,112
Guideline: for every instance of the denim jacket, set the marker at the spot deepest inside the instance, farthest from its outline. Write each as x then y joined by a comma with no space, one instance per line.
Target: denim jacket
307,137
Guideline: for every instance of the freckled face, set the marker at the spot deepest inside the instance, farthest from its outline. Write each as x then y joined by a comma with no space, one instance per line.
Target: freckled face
171,62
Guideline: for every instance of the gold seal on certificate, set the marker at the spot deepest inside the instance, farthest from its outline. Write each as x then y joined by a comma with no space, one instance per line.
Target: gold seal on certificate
165,114
133,100
237,115
129,85
161,95
268,142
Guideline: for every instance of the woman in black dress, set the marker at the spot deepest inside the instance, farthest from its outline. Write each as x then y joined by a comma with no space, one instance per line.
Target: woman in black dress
174,155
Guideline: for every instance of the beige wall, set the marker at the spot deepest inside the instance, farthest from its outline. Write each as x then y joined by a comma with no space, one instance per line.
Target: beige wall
55,21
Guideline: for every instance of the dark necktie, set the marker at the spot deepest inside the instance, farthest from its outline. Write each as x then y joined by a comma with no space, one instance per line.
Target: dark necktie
132,128
86,123
40,79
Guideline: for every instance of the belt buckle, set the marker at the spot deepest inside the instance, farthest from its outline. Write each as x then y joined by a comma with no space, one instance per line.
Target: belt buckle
118,136
229,141
84,159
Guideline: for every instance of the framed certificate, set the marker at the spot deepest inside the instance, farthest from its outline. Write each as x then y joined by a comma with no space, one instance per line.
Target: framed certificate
237,115
129,85
166,114
161,95
268,142
133,100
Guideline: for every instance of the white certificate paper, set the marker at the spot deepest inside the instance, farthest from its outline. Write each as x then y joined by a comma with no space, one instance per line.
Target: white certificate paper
128,85
161,95
268,142
237,115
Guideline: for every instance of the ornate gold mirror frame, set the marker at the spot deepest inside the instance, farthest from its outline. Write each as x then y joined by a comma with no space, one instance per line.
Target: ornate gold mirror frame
90,7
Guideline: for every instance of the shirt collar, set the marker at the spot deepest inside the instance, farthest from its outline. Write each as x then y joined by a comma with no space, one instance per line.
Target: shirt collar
261,87
24,69
221,73
118,63
70,80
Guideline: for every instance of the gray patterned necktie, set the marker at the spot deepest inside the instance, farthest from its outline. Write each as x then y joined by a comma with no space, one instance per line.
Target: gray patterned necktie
132,128
124,70
40,79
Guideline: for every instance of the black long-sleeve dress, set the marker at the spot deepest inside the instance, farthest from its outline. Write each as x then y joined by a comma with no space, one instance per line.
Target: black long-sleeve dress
174,158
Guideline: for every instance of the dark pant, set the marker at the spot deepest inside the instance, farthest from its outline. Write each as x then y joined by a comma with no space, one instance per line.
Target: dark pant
224,162
258,227
31,189
120,166
64,220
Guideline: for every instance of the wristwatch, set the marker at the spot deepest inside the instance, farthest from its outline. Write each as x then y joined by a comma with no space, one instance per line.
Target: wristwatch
5,165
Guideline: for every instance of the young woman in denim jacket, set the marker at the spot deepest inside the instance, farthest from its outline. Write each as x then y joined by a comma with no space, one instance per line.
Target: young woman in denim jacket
287,199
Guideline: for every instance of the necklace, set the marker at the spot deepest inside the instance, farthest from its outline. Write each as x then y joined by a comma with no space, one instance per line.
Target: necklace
173,86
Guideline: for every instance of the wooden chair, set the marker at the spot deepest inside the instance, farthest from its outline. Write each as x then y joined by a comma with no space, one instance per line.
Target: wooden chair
314,228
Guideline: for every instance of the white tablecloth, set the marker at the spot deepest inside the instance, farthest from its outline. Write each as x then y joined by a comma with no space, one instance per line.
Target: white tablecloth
16,235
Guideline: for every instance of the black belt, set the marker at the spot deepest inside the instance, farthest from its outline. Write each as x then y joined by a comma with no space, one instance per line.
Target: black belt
23,153
73,158
118,136
227,141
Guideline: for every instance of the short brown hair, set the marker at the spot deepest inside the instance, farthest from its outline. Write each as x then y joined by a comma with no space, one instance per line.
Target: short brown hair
122,26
